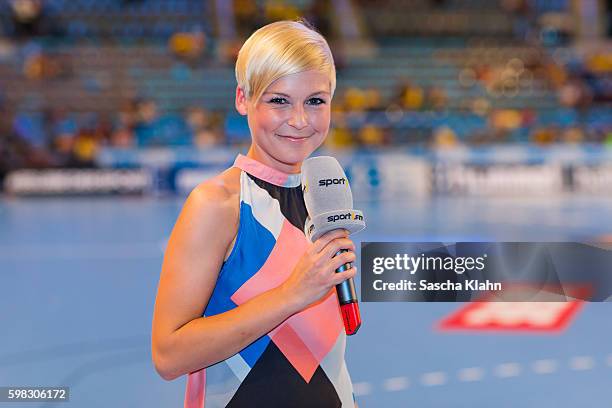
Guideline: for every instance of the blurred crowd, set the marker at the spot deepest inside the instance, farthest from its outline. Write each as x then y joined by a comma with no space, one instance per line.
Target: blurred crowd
580,112
22,19
57,138
251,14
361,117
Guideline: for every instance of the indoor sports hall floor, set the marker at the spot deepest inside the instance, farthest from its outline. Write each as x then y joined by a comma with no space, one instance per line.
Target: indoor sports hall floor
78,280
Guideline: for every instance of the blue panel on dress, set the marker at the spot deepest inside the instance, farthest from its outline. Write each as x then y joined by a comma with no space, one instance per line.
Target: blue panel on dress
244,262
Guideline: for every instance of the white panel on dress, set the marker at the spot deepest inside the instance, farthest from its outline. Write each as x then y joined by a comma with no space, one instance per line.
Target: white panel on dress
266,209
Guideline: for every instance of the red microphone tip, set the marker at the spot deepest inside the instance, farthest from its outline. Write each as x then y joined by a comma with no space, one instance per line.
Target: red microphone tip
351,317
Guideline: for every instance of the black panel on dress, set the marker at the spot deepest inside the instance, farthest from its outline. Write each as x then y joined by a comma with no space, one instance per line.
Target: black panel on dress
291,201
274,383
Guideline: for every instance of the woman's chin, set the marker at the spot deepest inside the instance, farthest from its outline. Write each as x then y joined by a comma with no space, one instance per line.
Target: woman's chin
294,154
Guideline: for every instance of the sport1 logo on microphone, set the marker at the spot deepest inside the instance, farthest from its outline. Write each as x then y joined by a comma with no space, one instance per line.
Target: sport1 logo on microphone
348,216
330,181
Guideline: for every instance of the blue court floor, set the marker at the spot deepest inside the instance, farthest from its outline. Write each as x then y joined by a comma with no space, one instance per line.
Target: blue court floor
78,280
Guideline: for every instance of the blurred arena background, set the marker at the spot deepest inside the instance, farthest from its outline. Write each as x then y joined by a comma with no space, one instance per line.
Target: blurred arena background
455,120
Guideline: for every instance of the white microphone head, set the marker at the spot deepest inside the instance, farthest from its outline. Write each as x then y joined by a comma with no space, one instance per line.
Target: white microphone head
325,186
328,198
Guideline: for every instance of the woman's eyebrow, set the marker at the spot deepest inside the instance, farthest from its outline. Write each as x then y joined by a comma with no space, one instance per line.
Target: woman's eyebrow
289,96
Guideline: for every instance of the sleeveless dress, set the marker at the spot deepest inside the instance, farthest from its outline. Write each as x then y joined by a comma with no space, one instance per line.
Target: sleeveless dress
301,362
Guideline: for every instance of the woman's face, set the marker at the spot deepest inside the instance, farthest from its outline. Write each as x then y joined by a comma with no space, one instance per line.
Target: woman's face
290,120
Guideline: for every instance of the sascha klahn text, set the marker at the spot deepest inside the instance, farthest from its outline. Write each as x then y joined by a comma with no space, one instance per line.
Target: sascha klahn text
470,284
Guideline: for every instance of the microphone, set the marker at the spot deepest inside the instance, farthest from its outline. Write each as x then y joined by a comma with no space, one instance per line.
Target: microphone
329,203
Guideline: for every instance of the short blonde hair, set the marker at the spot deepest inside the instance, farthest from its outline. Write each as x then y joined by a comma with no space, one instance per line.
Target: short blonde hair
278,49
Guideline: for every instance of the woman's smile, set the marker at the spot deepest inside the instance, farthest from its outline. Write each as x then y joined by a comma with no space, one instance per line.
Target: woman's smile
295,139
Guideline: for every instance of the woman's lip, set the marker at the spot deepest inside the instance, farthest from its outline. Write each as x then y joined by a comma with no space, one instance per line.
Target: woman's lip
293,139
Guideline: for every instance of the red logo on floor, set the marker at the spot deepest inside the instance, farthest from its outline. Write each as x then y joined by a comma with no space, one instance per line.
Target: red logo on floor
512,316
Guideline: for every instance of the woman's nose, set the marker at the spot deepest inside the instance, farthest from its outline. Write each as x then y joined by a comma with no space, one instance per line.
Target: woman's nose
298,118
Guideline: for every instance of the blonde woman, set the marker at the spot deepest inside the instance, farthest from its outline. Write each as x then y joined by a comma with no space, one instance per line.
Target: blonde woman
246,305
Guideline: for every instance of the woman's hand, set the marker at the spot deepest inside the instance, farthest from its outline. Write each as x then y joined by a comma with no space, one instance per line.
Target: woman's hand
315,273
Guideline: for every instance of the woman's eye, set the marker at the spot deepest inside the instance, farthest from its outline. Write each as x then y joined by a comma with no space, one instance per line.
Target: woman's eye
279,101
284,101
316,101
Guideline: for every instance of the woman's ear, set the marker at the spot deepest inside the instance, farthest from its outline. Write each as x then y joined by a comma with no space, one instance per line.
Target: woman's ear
241,101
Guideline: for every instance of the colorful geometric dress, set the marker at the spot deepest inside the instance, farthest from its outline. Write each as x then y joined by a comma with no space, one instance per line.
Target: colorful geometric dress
301,362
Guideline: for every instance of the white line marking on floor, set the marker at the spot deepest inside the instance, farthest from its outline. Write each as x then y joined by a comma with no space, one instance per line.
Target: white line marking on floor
433,378
544,366
471,374
396,384
582,363
508,370
362,388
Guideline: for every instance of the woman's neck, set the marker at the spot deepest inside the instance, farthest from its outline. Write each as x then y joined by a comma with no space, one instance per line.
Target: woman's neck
258,154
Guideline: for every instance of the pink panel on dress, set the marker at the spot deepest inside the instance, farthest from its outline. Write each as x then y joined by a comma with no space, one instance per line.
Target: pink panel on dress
289,342
313,332
260,170
290,246
195,391
319,325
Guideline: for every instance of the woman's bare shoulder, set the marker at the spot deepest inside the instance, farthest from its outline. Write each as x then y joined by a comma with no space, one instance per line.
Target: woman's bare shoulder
214,205
220,192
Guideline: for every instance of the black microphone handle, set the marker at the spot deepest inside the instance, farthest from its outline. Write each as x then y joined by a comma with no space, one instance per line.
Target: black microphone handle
346,289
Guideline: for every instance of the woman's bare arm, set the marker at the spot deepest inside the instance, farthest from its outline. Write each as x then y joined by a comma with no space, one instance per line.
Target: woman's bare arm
182,340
